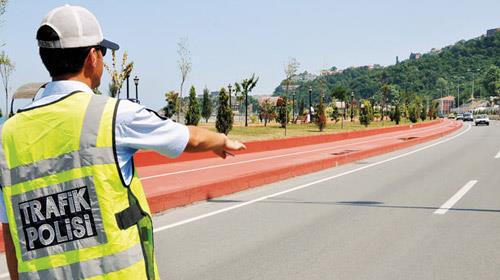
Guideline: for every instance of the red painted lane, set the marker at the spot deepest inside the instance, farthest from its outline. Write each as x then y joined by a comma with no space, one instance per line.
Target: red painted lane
181,183
149,158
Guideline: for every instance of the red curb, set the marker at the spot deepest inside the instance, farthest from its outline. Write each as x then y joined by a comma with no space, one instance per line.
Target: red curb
149,158
166,200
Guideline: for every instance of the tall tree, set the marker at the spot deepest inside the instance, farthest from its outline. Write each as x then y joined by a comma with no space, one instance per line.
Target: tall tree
246,87
118,76
185,65
193,113
291,68
6,69
224,122
206,107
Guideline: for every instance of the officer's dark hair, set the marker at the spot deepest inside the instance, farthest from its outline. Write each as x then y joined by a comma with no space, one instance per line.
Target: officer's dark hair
60,61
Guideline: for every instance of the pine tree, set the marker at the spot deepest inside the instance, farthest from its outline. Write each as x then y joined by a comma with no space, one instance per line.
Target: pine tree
413,112
397,114
366,113
193,113
172,99
334,116
224,122
321,116
206,107
423,113
282,117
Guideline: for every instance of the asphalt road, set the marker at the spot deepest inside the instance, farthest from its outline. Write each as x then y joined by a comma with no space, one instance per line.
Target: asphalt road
428,212
382,218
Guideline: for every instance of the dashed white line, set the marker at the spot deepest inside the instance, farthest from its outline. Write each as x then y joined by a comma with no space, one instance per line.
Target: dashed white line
498,155
187,221
448,204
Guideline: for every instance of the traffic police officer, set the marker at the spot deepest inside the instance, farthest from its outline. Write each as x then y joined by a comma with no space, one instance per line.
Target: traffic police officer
73,206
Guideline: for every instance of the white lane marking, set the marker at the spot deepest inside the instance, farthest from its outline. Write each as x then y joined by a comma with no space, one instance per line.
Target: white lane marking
498,155
448,204
190,220
271,157
5,275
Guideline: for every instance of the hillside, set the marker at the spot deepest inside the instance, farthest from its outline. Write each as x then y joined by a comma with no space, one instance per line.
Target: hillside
455,64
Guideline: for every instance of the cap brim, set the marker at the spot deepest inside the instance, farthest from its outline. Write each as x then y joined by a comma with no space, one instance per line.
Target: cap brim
109,45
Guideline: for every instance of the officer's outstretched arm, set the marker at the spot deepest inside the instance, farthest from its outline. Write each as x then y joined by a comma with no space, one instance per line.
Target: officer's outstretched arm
201,140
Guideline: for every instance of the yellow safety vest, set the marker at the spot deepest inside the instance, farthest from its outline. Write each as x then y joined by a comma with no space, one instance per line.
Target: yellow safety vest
71,214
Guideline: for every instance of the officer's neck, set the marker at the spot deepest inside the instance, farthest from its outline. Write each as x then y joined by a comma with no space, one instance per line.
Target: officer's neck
74,77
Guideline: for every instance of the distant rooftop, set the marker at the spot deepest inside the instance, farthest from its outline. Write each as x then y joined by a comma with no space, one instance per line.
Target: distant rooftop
491,32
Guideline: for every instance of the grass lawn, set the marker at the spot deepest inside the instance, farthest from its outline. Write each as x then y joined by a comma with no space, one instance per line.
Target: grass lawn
274,131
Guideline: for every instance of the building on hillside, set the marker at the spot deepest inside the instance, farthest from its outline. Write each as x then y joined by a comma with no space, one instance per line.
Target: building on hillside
303,77
492,32
415,56
446,104
435,51
291,87
328,72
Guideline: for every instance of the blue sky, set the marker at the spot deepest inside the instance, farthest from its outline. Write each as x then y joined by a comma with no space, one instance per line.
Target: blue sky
230,40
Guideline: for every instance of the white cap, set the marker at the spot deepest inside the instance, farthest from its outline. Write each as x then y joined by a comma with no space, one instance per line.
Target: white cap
75,27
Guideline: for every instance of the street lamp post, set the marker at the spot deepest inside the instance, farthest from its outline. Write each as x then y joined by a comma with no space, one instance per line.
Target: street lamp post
310,104
128,76
293,106
229,87
136,82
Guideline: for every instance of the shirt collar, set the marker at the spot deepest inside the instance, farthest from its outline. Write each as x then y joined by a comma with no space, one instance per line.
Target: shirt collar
62,88
56,90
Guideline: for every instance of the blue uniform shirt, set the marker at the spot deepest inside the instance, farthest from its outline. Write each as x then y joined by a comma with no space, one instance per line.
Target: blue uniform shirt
137,128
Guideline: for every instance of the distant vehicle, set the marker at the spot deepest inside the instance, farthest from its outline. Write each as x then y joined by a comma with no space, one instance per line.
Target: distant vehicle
468,117
460,117
482,119
451,116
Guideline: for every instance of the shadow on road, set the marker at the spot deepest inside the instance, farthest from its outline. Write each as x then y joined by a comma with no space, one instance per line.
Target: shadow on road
360,203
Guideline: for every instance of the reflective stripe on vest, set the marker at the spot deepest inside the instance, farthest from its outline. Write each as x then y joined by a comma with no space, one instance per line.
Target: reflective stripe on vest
89,268
62,208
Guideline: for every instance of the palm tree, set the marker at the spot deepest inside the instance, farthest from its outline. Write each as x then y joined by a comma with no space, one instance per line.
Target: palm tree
246,87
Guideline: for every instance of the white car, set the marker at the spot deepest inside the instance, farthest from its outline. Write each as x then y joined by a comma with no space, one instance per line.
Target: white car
482,119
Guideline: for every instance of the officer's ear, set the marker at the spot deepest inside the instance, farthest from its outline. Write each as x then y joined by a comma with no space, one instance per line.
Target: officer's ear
93,57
